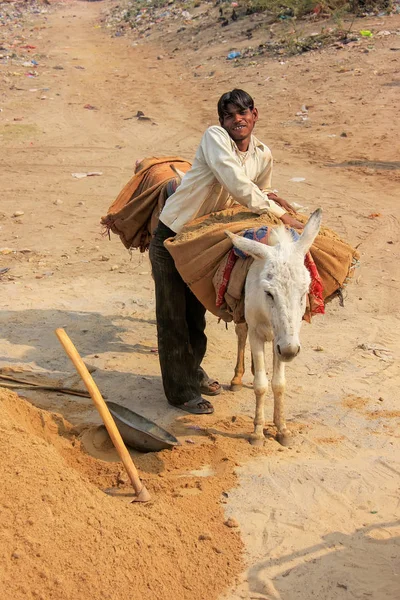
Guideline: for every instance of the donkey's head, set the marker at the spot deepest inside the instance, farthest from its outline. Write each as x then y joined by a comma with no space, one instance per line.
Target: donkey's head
277,284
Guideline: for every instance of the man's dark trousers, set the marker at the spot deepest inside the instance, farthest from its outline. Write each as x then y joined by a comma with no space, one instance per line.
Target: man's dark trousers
180,325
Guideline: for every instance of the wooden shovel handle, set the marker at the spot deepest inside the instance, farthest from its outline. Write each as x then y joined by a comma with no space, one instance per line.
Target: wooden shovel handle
142,495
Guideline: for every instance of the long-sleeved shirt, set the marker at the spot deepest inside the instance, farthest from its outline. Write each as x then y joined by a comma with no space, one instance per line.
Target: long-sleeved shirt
221,175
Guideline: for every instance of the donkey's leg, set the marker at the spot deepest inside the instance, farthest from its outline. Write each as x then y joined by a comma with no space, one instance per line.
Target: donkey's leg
241,332
278,387
260,385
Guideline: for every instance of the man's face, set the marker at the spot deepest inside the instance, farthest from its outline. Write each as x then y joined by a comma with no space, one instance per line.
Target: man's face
239,122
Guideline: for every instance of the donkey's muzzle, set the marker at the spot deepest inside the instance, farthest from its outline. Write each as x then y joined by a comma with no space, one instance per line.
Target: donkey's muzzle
288,352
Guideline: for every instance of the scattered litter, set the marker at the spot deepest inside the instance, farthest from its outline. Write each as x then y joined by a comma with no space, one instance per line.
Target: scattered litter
366,33
57,202
114,268
299,207
189,441
298,179
140,116
90,107
90,174
374,216
234,54
4,270
382,353
18,213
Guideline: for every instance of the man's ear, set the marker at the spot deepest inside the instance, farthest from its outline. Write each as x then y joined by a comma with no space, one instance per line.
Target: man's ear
255,114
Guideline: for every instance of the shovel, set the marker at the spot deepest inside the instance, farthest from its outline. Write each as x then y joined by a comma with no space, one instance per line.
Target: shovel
142,495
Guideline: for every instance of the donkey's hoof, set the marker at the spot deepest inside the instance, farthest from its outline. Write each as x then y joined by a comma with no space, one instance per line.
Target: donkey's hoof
256,441
285,439
235,387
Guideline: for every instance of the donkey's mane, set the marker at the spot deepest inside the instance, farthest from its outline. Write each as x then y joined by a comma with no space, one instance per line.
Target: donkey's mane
280,235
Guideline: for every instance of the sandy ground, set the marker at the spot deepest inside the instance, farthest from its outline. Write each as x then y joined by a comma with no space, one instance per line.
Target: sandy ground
320,519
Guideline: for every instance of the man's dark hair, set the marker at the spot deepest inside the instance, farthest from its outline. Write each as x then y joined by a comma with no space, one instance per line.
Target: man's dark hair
239,98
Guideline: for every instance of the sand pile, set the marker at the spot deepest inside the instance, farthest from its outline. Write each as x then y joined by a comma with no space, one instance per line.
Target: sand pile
62,537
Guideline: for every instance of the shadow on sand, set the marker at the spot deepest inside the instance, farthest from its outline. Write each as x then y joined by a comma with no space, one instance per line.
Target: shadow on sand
362,564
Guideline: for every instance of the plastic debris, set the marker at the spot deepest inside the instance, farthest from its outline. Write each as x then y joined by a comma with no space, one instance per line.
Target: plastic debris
366,33
90,174
298,179
234,54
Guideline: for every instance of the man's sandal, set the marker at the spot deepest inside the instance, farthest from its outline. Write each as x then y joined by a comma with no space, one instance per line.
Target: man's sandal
197,406
209,387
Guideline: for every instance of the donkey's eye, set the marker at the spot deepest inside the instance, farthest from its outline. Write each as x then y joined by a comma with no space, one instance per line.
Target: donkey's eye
269,295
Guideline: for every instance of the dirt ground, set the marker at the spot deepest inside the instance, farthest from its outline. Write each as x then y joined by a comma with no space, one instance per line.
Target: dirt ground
320,519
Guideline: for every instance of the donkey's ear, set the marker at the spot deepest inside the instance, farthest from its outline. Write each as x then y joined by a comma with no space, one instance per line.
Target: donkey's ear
250,247
310,232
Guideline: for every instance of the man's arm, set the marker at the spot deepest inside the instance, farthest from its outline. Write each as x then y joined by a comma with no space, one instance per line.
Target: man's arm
264,182
218,154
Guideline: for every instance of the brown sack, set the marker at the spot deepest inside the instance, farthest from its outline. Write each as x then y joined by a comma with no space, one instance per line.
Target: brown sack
134,214
202,245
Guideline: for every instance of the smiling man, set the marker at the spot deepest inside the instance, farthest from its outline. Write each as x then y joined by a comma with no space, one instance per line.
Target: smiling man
231,166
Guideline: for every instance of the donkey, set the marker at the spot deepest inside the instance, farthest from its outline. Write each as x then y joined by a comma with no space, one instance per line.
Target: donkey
275,300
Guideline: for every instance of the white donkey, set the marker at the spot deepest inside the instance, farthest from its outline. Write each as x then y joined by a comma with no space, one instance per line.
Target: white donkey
275,300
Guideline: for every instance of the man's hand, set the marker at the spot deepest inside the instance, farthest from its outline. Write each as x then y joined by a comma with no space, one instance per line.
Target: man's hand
284,203
291,221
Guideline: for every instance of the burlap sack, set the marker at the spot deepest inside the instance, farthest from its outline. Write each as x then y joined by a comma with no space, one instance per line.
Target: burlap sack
134,214
199,249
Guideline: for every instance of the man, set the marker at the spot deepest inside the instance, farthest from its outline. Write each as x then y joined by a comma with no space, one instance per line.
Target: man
230,166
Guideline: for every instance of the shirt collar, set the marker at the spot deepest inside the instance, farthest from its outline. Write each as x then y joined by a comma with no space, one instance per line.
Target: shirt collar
254,144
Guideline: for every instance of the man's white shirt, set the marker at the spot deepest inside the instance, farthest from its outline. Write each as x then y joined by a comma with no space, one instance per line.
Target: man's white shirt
220,177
